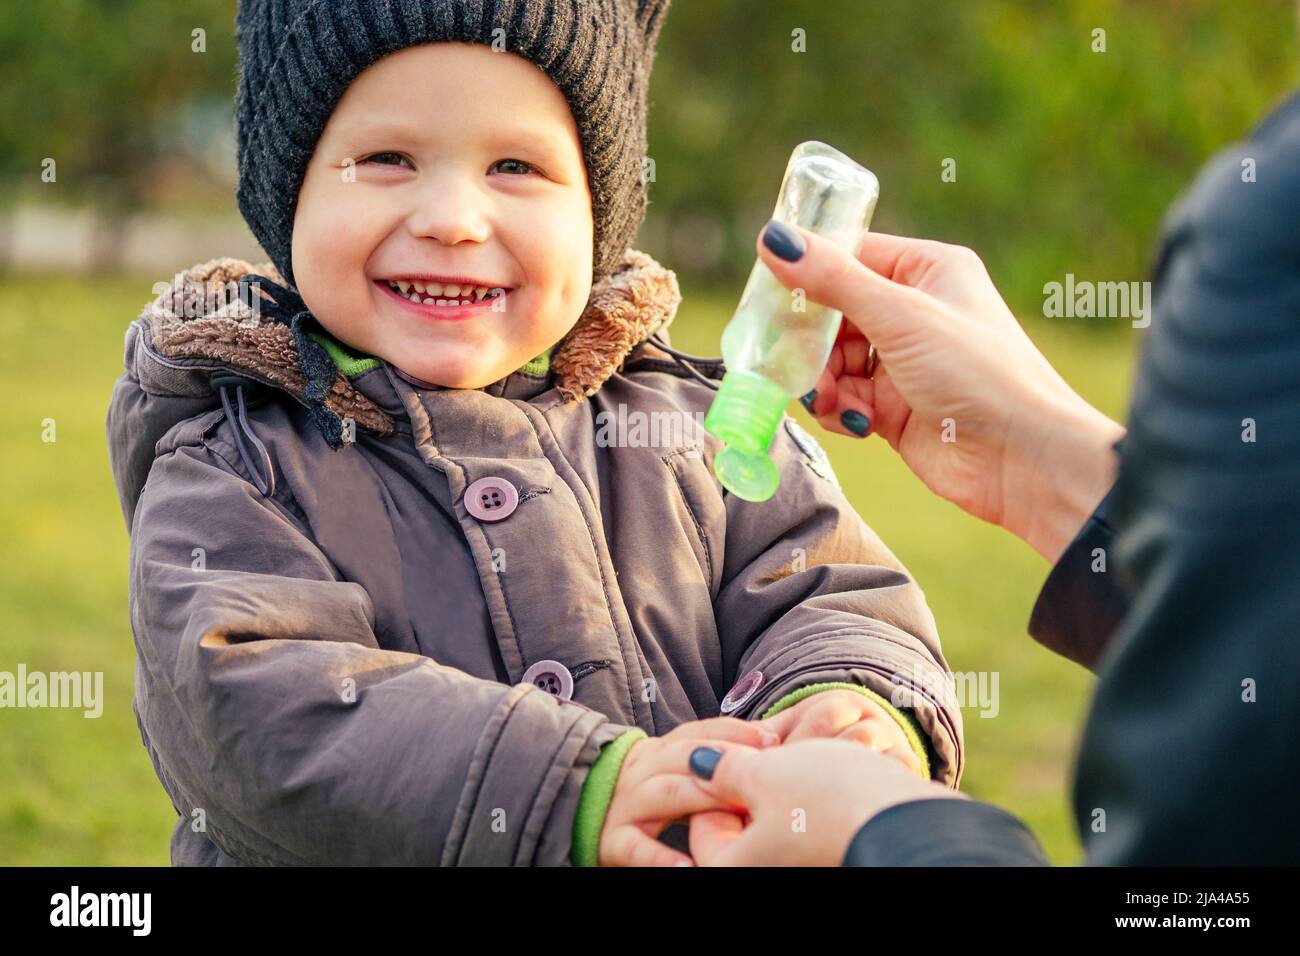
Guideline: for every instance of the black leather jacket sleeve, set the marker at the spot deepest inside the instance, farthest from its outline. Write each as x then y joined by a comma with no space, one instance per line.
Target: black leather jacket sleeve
1082,601
944,832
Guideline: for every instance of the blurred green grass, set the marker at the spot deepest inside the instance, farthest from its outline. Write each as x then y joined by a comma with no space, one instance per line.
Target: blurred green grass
81,791
77,790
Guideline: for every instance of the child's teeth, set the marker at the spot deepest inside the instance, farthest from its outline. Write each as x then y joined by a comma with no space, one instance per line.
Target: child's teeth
435,293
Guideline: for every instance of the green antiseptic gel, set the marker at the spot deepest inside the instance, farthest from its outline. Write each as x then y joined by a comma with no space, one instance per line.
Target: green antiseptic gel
777,343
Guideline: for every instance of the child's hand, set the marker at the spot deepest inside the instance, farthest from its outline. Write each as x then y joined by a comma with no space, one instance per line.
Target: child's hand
654,789
846,715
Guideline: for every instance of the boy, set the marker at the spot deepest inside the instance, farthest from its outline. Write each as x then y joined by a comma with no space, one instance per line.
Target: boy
370,515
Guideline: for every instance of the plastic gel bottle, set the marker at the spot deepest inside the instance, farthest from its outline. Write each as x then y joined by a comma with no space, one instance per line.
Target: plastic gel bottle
777,343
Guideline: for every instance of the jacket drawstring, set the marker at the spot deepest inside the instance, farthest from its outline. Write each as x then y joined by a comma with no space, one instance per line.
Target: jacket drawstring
318,371
223,382
684,360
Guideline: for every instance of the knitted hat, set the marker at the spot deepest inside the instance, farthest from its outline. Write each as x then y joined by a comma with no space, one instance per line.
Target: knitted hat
297,57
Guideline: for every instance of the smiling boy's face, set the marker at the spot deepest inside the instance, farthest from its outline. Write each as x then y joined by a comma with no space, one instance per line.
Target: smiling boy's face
447,160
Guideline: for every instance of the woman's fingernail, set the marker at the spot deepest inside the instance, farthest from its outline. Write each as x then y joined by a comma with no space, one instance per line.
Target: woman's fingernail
856,422
784,241
704,760
809,399
769,740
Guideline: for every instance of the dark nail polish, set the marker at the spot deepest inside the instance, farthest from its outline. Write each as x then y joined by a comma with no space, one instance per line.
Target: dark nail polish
704,760
784,241
856,422
808,399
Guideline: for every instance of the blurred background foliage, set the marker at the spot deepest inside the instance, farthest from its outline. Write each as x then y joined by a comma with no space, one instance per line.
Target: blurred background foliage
1065,160
118,93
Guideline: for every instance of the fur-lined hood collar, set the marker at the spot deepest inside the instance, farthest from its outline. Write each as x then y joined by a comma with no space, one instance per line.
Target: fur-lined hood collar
200,316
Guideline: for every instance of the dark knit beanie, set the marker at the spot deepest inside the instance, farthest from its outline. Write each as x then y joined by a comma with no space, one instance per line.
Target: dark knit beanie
297,57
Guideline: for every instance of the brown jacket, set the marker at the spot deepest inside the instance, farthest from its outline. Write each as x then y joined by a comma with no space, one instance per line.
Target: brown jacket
331,672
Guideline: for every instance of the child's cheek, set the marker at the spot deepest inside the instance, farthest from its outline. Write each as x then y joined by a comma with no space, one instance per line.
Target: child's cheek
330,252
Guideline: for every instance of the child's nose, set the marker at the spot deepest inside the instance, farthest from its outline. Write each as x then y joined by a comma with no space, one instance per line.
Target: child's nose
451,211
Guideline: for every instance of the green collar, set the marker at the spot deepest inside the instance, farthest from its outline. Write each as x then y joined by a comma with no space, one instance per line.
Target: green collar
540,365
353,365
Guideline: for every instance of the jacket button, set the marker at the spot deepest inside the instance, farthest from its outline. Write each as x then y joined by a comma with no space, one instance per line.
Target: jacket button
552,677
745,688
491,499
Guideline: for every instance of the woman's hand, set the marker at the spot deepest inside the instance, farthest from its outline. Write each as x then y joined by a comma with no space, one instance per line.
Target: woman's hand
654,788
960,392
799,804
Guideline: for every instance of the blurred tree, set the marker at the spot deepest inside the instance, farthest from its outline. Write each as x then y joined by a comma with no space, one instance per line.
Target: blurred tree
96,86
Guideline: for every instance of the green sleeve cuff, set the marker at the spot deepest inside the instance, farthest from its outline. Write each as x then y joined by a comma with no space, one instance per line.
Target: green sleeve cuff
913,731
597,791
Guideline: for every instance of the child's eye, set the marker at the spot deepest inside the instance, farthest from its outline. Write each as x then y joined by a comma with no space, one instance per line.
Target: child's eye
526,167
386,159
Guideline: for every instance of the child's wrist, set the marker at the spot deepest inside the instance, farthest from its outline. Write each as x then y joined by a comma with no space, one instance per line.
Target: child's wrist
597,792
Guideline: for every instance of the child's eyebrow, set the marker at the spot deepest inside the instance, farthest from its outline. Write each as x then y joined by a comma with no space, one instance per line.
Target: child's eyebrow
538,141
509,135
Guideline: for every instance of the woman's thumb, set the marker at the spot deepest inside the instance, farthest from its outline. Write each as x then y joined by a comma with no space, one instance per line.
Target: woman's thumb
723,773
832,276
